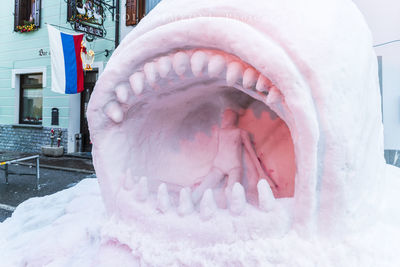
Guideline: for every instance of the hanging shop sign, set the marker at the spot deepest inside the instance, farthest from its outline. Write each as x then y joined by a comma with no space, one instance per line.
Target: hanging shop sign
88,29
87,16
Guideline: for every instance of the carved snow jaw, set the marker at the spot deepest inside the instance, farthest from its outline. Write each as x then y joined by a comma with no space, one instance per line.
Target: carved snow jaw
136,89
195,75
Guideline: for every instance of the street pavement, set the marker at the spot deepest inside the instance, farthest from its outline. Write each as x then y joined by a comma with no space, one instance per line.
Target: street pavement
4,214
56,174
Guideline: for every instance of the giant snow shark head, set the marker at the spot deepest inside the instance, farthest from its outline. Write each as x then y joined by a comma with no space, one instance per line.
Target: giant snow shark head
301,74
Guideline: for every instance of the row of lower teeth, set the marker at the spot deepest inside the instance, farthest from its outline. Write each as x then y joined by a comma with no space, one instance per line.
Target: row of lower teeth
207,206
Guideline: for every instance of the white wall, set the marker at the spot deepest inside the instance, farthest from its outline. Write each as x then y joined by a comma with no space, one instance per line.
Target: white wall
124,30
383,17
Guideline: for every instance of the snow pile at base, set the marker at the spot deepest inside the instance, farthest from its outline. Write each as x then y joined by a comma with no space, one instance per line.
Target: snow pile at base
57,230
65,229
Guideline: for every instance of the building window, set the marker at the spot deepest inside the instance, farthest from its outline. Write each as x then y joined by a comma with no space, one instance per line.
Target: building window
135,11
31,99
27,12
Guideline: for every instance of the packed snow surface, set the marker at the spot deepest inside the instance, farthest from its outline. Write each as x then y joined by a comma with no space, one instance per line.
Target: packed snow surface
68,228
227,133
302,77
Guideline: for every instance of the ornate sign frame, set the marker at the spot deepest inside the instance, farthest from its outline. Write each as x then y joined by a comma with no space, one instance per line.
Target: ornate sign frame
88,16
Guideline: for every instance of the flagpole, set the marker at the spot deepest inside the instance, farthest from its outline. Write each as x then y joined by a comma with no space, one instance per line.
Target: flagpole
61,27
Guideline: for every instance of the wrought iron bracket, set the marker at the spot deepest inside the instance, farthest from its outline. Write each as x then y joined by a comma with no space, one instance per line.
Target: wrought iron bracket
110,7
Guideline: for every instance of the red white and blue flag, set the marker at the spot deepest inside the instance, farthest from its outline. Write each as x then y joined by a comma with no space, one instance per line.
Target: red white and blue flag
66,62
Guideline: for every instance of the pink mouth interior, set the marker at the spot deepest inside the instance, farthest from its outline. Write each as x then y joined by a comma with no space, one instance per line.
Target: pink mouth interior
176,137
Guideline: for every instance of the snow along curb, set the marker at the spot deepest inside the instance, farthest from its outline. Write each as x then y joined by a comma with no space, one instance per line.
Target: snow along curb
7,207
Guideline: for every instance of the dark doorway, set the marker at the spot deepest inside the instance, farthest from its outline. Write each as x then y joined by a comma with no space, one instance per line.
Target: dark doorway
89,83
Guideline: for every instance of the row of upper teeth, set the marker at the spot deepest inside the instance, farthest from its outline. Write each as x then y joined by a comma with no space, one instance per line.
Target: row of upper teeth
207,206
198,62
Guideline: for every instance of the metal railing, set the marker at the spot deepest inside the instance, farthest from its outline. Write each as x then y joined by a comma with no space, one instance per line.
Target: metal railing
14,161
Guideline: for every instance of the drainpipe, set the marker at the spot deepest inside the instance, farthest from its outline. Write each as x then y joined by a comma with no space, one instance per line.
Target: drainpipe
117,15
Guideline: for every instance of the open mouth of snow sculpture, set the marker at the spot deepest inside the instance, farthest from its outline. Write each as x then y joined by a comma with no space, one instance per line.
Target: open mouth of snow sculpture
182,100
192,119
163,129
199,127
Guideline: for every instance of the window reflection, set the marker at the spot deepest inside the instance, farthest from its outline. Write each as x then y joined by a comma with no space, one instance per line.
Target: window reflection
31,107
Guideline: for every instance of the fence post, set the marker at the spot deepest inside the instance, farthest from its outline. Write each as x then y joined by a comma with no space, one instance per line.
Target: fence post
37,174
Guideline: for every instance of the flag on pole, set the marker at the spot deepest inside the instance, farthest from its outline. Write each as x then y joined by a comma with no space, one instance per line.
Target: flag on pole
66,62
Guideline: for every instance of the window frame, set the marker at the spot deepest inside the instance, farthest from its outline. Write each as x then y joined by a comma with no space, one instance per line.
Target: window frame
36,13
23,86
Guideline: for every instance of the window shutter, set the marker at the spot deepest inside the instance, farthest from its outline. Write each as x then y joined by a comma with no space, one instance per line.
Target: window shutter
131,6
135,11
37,13
141,9
16,15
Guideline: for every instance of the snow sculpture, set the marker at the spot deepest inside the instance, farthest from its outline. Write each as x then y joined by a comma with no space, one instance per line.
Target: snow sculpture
303,77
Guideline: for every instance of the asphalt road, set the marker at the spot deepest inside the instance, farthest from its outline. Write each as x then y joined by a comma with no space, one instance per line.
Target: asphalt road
22,187
4,214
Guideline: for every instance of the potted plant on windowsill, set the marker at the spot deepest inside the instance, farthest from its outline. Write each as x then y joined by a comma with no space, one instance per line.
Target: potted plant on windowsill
28,26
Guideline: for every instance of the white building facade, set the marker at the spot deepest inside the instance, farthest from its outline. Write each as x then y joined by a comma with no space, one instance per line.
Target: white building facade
384,21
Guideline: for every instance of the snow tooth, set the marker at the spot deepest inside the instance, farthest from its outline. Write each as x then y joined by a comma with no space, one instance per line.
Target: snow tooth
137,82
249,78
142,190
234,73
180,63
274,95
114,111
266,200
163,202
208,206
263,84
185,202
238,199
164,66
122,93
198,62
216,66
151,72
